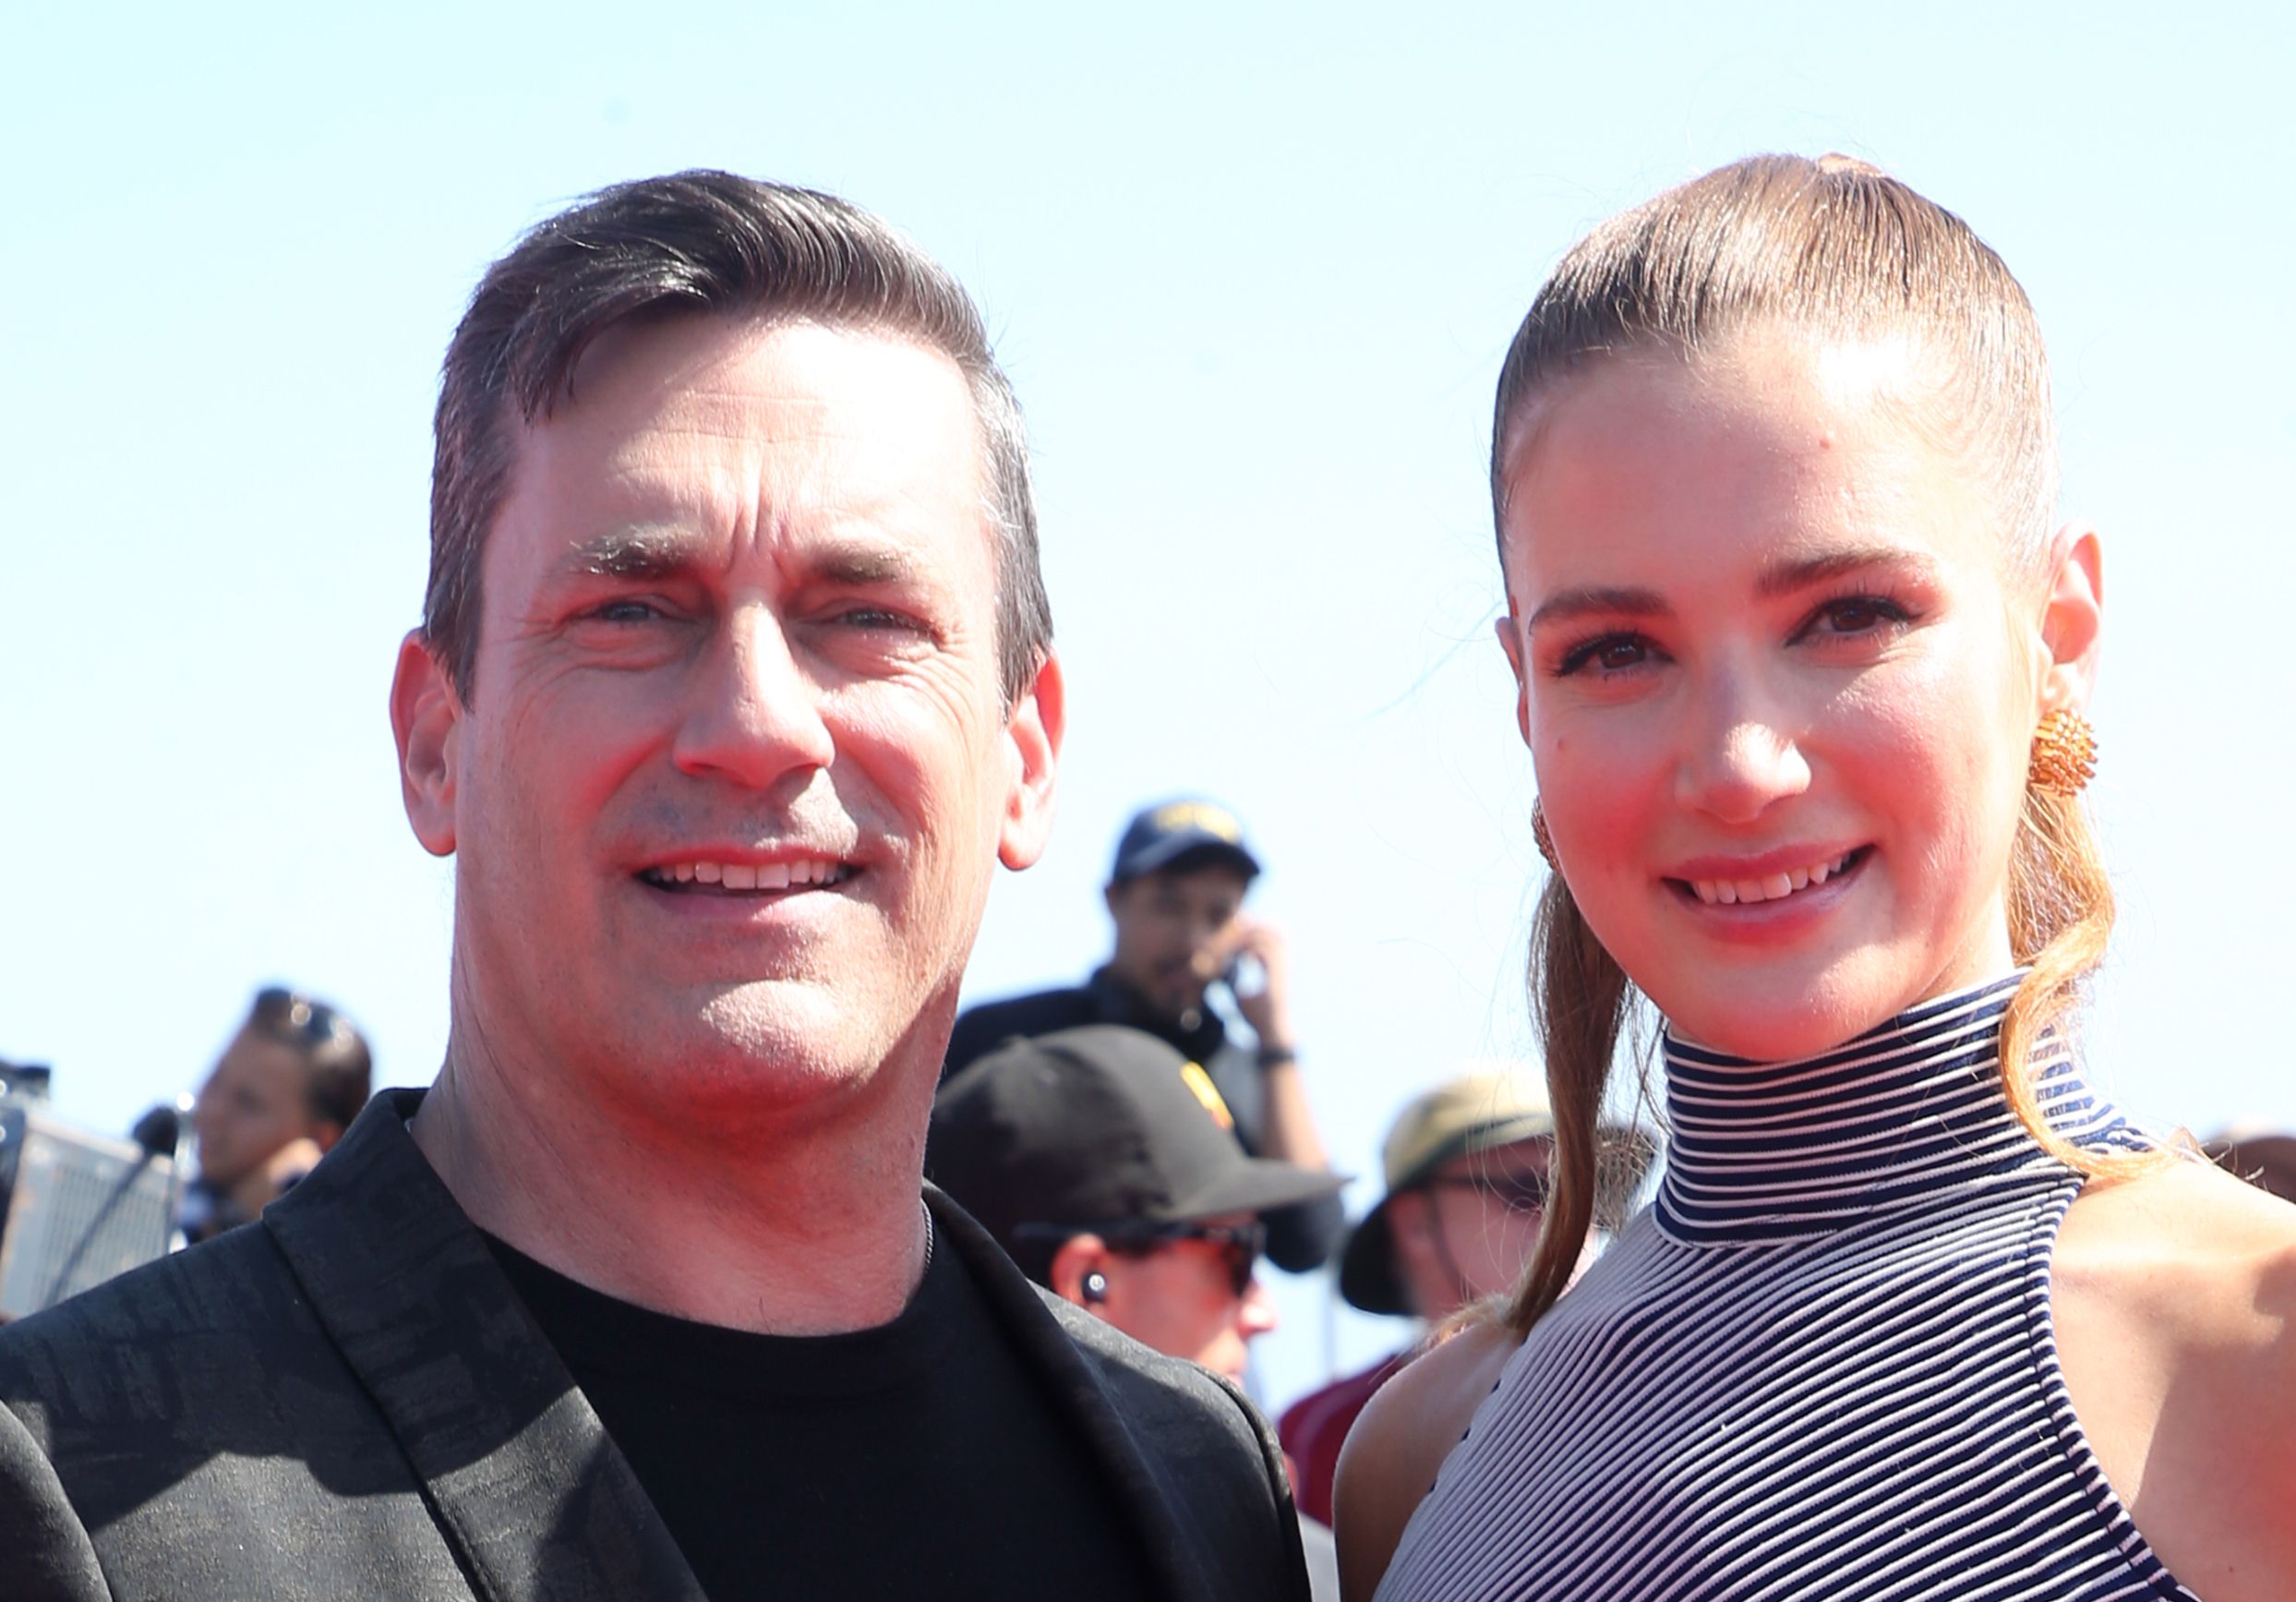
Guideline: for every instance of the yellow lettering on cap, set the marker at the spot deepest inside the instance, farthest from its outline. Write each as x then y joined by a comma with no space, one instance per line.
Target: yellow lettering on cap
1197,1080
1199,815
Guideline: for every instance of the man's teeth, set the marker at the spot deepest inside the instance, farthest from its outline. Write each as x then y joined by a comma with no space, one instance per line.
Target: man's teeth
751,877
1729,892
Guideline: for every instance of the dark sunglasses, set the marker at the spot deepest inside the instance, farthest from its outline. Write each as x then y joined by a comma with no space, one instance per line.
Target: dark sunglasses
1240,1244
292,1017
1520,1192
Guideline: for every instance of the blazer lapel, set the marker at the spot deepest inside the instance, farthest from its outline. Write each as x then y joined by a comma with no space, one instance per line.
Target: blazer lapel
537,1496
1074,1386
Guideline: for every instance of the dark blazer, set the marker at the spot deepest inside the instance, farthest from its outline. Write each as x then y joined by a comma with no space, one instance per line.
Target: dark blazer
348,1398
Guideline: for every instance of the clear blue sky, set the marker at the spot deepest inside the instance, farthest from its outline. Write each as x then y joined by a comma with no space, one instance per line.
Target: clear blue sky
1253,271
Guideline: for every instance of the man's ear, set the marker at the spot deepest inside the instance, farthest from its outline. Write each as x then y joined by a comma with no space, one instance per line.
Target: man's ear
424,716
1080,1254
2072,618
1034,729
1410,1236
1510,641
325,1132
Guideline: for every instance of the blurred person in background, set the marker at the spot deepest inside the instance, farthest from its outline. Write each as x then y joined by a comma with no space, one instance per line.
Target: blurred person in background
285,1088
1466,1170
734,684
1105,1164
1175,894
2258,1152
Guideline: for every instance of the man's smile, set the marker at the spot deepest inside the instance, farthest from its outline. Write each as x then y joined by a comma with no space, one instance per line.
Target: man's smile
704,876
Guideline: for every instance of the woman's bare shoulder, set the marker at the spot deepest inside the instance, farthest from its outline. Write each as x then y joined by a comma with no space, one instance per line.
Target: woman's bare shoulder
2174,1301
1403,1438
2180,1227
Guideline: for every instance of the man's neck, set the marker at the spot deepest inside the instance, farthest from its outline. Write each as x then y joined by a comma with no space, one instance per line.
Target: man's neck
818,1230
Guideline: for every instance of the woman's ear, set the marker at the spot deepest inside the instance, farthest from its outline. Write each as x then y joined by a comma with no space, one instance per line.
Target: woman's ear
2073,616
1510,641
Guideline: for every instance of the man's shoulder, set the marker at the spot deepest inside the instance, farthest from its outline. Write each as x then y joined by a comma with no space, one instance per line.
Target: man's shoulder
1191,1394
986,1025
220,1296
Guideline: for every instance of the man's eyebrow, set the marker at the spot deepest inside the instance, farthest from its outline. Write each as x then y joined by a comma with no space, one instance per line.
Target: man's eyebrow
654,553
1611,600
861,565
632,553
1805,573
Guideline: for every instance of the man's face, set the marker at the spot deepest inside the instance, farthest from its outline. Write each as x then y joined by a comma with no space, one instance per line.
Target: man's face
1172,932
254,1105
1466,1233
1179,1298
739,767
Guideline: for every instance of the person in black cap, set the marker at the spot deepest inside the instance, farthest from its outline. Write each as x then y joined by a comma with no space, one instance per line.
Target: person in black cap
1176,895
1105,1164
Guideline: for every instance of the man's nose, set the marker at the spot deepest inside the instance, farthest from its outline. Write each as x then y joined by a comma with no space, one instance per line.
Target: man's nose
1742,753
756,712
1256,1311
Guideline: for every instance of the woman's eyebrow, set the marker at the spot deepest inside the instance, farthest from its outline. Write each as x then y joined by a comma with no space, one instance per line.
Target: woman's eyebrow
1609,601
1785,578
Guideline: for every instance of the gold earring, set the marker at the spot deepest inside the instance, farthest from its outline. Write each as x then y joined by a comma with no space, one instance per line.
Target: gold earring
1540,837
2064,753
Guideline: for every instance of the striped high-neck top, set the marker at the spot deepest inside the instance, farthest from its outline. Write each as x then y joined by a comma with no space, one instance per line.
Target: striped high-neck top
1819,1364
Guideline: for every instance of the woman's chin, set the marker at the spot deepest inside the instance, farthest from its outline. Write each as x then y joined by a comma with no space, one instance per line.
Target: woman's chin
1789,1017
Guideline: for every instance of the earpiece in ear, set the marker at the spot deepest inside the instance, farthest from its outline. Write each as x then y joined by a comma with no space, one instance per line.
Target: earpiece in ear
1094,1289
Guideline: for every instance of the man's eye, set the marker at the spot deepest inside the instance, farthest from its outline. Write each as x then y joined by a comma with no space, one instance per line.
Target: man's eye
625,611
878,618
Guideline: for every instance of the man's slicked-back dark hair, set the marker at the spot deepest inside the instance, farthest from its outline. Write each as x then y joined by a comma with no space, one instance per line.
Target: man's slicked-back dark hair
702,243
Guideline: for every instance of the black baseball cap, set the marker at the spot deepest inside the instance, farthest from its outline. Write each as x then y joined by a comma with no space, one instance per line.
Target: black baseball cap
1096,1128
1188,832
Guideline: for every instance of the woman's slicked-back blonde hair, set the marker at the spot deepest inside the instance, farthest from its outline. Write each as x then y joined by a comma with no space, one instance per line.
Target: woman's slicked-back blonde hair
1837,251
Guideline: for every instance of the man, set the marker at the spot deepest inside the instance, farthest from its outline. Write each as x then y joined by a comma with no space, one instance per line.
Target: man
734,683
1466,1167
281,1094
1105,1164
1176,897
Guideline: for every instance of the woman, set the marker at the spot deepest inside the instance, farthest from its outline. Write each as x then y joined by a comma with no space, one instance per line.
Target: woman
1801,659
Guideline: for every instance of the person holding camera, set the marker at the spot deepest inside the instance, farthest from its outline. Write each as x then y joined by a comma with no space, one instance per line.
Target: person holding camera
1176,895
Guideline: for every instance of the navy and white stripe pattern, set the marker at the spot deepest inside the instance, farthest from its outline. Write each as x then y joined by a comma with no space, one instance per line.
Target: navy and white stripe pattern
1819,1365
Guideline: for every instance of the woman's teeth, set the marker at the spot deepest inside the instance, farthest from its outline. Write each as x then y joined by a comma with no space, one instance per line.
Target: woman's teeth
1773,888
750,877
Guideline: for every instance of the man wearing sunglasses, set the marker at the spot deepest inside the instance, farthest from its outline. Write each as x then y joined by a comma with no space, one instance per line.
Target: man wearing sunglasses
279,1097
1466,1167
1106,1163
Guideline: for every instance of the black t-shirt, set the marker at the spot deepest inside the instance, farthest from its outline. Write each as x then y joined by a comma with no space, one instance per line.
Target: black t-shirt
917,1459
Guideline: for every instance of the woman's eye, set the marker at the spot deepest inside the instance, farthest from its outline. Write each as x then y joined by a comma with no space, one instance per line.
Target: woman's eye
1854,615
1609,654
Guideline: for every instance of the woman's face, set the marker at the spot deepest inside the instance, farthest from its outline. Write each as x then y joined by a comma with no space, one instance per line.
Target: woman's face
1777,688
